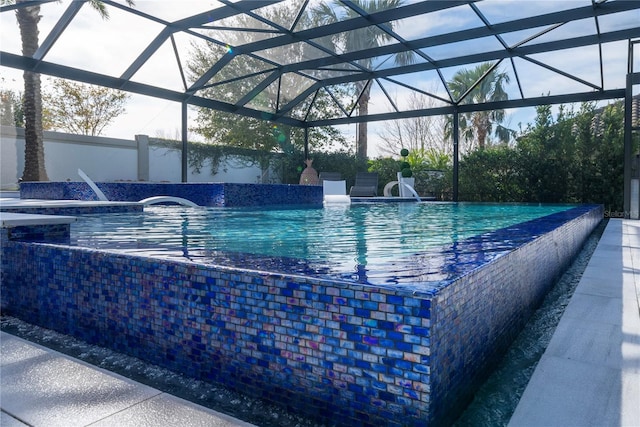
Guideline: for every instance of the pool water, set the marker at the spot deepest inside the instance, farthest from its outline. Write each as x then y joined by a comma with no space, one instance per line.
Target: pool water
378,243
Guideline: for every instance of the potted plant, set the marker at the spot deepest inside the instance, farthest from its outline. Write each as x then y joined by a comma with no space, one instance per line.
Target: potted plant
405,176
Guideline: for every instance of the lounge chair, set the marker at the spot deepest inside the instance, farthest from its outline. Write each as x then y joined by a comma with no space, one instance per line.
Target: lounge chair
335,192
366,185
329,176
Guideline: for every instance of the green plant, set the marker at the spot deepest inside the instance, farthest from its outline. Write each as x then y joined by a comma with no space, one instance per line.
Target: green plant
405,166
200,154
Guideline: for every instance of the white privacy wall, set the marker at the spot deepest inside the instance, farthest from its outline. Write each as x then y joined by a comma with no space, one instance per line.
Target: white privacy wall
110,159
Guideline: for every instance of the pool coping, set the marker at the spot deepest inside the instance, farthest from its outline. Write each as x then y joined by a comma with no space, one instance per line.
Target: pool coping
10,219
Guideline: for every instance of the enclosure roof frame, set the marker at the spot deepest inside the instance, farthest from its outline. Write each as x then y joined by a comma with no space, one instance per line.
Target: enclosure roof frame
352,64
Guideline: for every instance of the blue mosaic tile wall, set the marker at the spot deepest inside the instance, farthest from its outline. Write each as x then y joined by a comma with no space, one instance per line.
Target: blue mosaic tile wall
73,210
203,194
342,353
478,316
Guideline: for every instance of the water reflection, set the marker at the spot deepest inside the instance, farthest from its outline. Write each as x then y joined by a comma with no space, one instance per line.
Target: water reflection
381,244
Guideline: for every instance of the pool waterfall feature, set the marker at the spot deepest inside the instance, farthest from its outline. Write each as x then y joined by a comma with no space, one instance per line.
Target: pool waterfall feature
411,190
343,353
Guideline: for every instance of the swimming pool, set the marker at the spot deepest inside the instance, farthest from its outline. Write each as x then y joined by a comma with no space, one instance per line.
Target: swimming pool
342,341
381,243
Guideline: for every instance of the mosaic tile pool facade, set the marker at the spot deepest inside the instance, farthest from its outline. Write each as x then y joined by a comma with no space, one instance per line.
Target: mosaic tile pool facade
345,354
203,194
73,210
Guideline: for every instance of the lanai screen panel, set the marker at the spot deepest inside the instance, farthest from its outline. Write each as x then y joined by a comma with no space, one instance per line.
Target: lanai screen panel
282,60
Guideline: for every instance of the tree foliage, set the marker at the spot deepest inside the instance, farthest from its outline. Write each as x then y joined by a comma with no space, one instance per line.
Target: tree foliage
575,157
11,112
224,128
286,166
291,166
493,174
201,154
478,85
359,39
416,133
80,108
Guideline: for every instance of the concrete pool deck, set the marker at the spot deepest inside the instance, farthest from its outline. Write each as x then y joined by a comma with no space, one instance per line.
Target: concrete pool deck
589,375
40,387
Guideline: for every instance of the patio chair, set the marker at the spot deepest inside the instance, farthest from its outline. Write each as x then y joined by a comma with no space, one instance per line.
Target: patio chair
329,176
366,185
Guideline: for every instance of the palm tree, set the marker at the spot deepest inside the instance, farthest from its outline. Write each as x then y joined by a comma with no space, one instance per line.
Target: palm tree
483,83
34,170
360,39
28,18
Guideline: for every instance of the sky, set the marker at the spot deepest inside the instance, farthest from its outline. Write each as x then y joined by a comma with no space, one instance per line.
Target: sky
87,43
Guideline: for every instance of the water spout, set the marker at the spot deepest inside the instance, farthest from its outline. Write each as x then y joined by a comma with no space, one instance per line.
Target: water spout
411,189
